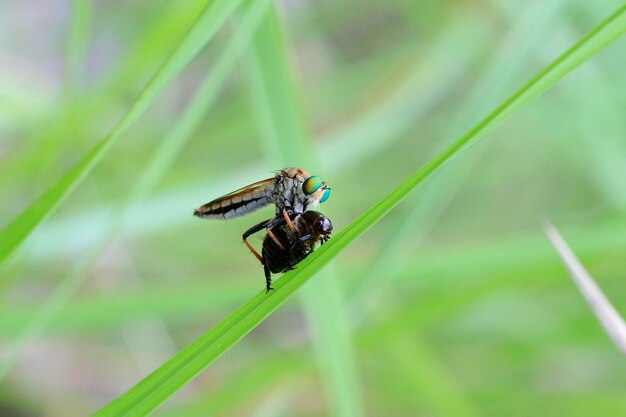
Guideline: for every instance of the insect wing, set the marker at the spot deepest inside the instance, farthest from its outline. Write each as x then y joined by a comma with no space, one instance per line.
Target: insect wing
240,202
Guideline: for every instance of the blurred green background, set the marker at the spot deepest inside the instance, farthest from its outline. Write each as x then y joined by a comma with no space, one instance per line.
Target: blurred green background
454,305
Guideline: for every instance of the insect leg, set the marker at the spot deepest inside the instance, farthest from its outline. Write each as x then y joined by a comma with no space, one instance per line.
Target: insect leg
300,241
254,229
269,226
289,223
275,221
268,279
275,239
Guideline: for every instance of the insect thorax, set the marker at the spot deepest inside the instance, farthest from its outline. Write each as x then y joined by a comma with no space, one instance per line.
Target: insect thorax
290,195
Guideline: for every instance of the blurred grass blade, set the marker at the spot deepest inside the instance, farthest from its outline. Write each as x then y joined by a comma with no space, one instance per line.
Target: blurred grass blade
77,44
163,158
287,143
427,83
608,317
420,367
209,21
514,256
433,200
153,390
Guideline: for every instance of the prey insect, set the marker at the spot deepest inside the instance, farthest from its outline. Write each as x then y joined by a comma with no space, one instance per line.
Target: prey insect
291,190
292,246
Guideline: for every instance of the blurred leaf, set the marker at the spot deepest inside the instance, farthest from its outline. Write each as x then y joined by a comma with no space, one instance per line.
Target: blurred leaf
435,198
77,43
207,24
153,390
422,85
163,158
608,317
502,263
420,367
288,143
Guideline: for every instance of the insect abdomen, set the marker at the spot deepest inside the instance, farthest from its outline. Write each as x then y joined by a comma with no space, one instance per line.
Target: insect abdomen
230,209
276,258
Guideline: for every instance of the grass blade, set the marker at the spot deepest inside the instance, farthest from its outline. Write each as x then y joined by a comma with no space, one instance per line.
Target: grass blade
419,366
433,200
287,143
144,397
209,21
77,44
516,256
335,152
163,158
608,317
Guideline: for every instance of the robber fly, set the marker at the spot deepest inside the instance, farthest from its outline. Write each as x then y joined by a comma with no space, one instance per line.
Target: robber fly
292,246
291,190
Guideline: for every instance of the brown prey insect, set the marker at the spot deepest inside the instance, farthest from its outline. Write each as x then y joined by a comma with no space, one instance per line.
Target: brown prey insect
293,245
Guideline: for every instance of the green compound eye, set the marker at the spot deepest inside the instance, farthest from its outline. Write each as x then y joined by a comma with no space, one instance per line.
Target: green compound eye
325,195
311,184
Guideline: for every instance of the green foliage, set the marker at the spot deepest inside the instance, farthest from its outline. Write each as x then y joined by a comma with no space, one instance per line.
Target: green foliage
208,22
156,388
287,142
454,304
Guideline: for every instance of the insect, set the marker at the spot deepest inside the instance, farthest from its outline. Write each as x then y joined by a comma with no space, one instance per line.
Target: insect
291,190
292,246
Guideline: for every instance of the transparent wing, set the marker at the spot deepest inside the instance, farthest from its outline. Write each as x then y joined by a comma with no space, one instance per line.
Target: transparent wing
240,202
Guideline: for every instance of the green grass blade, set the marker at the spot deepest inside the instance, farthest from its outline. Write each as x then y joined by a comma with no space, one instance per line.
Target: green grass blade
144,397
77,44
47,311
65,125
517,256
419,366
163,158
279,118
421,86
413,95
207,24
287,143
434,199
606,314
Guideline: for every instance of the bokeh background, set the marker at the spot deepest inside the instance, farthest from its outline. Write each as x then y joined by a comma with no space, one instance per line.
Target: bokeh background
454,305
